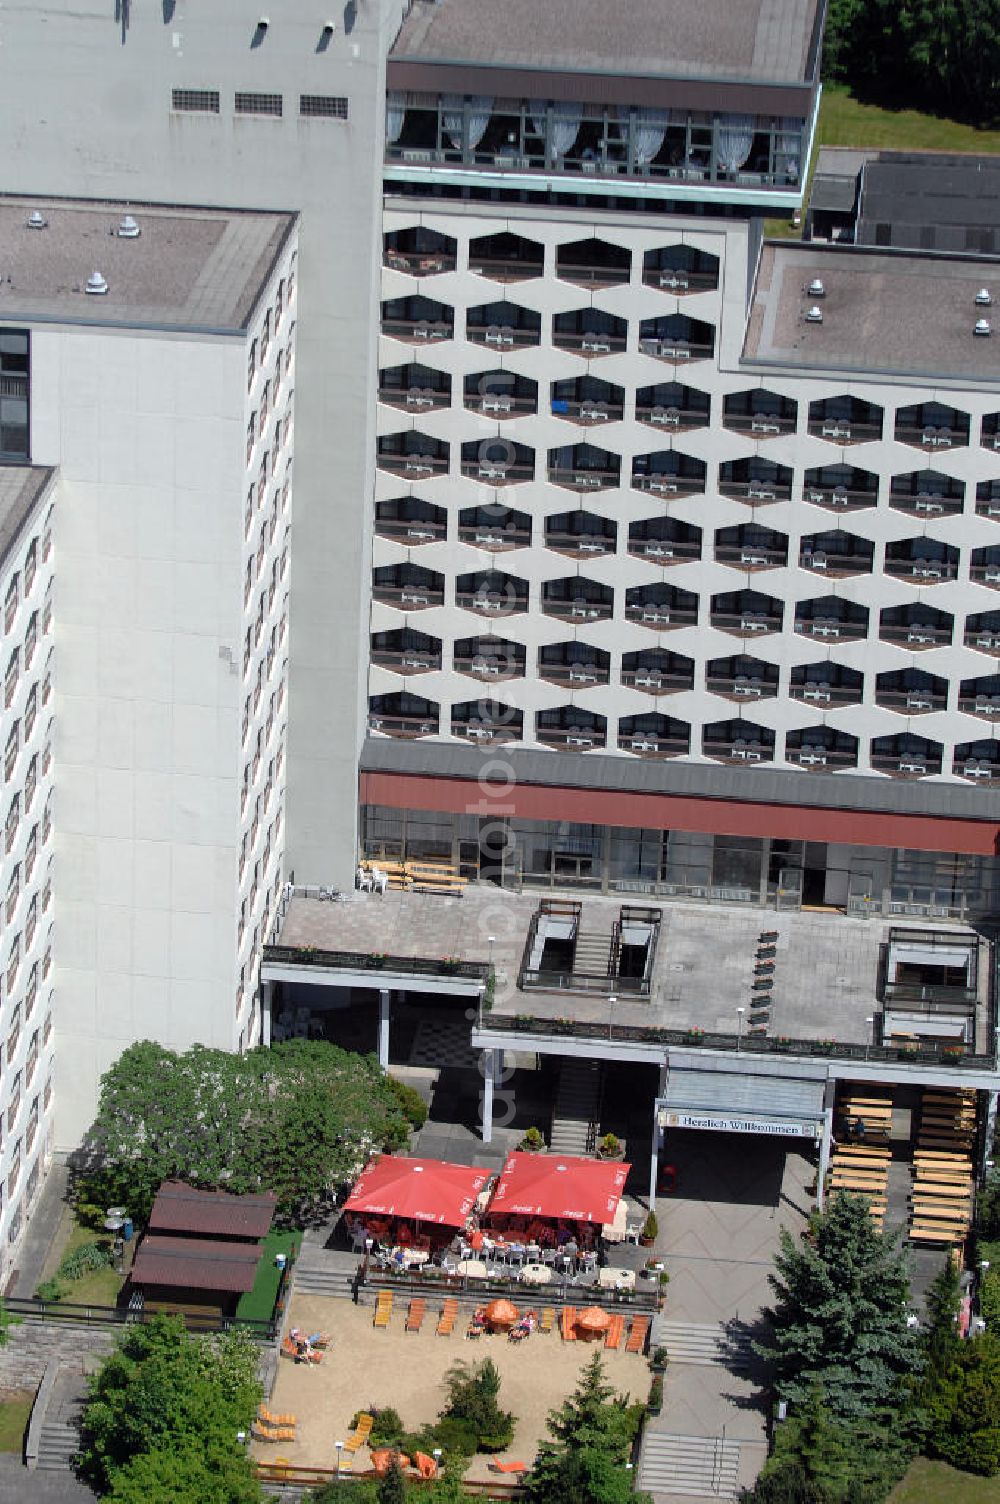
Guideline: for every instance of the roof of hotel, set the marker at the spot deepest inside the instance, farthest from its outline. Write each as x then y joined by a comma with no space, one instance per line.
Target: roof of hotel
21,487
758,40
893,313
191,269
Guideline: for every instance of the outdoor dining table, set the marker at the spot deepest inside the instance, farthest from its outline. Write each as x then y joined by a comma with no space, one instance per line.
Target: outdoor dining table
616,1279
473,1268
536,1274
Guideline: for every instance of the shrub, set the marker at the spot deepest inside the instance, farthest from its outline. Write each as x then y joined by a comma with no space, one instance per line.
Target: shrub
655,1402
411,1103
455,1437
83,1260
473,1391
989,1299
387,1428
532,1140
50,1289
611,1145
650,1227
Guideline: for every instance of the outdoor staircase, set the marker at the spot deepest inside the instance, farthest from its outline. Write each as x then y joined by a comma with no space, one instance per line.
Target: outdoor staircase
317,1271
592,953
699,1466
56,1446
701,1343
577,1107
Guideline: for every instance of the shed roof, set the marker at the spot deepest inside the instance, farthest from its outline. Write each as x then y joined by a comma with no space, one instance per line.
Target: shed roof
196,1264
185,1209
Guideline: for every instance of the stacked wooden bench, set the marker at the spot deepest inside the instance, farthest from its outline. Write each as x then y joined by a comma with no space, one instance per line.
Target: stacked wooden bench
863,1170
941,1199
419,877
871,1107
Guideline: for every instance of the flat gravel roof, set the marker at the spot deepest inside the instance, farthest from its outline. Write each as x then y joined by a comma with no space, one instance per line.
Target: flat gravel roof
187,269
760,40
20,488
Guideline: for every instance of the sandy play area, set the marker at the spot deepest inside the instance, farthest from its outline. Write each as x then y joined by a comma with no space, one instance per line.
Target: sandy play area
365,1368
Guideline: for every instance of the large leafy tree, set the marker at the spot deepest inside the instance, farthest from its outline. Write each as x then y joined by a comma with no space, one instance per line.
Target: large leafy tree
839,1318
299,1119
963,1407
592,1433
177,1401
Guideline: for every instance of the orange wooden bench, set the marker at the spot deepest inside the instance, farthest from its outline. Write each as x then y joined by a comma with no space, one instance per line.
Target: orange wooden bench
615,1332
416,1314
637,1336
567,1323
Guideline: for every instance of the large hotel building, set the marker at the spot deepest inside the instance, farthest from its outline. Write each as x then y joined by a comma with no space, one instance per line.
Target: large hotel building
641,554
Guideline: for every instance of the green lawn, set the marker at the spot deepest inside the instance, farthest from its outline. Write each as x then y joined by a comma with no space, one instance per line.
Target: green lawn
937,1483
844,121
98,1288
15,1409
258,1304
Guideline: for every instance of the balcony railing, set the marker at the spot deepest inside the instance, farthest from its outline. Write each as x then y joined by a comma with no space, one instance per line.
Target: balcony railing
402,725
906,764
676,418
740,687
408,597
647,744
419,263
577,675
759,425
925,436
582,479
659,483
504,268
667,279
666,348
406,660
831,628
580,545
839,498
494,670
927,571
414,398
911,701
339,960
491,604
582,343
496,538
662,551
821,759
656,681
592,276
820,562
845,430
985,574
586,410
480,731
746,623
979,769
413,531
575,738
738,751
502,336
500,404
916,635
750,556
987,640
661,617
755,490
411,465
925,504
497,472
987,705
581,609
926,1053
420,331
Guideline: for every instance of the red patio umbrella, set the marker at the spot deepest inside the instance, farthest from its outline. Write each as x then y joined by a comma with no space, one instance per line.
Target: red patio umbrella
560,1187
418,1190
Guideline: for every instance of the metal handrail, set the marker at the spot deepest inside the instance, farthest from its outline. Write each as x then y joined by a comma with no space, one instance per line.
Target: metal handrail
345,960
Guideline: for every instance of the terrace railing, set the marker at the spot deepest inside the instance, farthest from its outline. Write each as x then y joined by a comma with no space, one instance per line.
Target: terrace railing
346,960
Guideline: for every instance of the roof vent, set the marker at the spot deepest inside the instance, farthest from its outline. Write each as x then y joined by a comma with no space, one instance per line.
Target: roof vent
814,315
984,298
128,229
982,327
36,220
96,285
816,288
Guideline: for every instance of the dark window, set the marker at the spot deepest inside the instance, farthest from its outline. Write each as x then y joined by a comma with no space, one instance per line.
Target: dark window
14,395
258,104
198,101
330,106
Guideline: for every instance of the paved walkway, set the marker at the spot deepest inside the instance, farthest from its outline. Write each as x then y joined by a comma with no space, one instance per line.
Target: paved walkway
40,1232
18,1486
719,1235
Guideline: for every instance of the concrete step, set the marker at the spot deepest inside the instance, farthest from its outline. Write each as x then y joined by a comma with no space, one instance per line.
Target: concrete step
57,1445
576,1106
336,1283
702,1466
700,1343
592,953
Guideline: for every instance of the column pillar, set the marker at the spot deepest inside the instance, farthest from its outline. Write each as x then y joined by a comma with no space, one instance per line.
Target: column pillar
384,1002
654,1152
487,1065
266,1001
825,1142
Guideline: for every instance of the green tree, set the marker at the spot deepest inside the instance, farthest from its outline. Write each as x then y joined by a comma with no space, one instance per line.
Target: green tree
190,1473
392,1488
592,1433
963,1406
839,1318
164,1391
474,1396
940,1334
299,1119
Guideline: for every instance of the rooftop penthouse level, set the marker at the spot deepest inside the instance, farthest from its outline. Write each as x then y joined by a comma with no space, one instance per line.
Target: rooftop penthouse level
660,92
647,980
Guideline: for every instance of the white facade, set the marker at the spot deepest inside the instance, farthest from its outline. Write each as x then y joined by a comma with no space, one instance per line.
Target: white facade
27,1036
171,695
791,569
